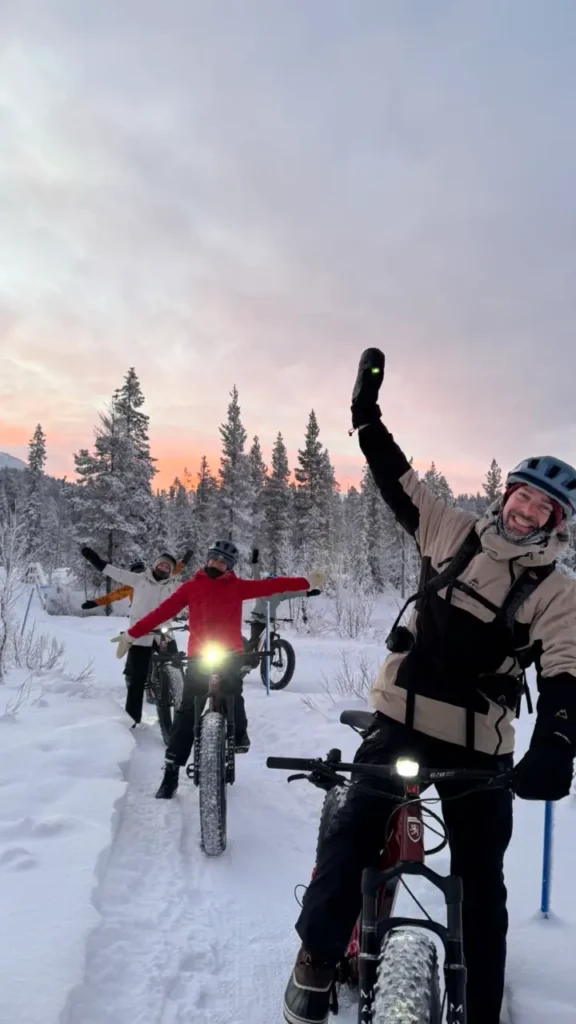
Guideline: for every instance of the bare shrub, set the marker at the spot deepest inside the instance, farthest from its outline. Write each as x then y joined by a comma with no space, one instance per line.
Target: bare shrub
85,674
14,564
20,698
353,611
38,653
315,622
353,677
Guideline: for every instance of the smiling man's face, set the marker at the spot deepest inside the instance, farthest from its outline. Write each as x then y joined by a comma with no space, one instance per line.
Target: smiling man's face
527,510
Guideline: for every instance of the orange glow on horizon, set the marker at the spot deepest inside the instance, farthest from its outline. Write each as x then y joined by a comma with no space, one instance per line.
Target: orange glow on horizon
173,458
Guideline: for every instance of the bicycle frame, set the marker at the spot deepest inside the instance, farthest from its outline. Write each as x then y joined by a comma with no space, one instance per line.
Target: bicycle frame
165,650
404,854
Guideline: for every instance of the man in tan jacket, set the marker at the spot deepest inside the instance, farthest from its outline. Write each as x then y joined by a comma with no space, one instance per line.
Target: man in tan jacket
448,695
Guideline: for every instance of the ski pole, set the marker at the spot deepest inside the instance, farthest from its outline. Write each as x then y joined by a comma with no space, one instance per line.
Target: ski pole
268,651
547,858
25,620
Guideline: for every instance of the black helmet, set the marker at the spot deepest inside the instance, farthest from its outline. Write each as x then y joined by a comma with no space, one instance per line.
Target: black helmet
138,567
225,551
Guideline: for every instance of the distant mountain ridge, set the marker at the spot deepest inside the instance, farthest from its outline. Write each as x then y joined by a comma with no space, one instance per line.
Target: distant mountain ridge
10,462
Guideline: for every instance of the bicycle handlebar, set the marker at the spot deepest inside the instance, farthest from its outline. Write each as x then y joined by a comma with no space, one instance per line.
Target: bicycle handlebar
303,764
162,630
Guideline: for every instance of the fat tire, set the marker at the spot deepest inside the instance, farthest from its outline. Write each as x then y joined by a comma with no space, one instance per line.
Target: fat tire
169,688
407,989
212,783
333,802
290,656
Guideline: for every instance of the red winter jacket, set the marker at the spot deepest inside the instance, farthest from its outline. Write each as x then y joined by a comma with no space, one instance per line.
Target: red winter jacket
215,607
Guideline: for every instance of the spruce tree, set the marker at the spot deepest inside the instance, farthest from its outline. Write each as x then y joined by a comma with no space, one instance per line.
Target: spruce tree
138,467
38,510
277,501
314,498
205,513
257,472
438,484
492,485
235,496
180,531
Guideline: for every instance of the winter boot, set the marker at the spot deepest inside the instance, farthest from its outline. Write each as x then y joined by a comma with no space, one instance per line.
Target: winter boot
242,743
309,992
169,783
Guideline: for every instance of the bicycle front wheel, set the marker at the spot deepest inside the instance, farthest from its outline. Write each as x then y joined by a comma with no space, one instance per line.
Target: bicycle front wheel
212,783
407,989
282,664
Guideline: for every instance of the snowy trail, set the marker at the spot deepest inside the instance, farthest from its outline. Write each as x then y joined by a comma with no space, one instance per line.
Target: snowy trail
124,920
181,934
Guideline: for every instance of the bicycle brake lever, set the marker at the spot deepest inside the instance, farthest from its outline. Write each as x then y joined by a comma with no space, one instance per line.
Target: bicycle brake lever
295,778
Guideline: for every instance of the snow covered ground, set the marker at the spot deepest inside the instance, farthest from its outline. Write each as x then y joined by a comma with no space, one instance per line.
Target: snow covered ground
110,911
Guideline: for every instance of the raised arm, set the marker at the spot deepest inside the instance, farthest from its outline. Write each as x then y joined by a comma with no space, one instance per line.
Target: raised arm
414,505
121,575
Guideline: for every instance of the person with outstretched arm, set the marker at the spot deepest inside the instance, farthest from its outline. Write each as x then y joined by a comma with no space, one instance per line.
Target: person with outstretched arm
491,602
149,589
214,597
258,614
126,591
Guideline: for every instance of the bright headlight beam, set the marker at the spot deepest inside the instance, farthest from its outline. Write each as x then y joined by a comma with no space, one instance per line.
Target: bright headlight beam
213,655
407,768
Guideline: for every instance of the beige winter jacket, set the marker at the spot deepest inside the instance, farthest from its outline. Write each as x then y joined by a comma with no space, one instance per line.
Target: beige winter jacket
547,619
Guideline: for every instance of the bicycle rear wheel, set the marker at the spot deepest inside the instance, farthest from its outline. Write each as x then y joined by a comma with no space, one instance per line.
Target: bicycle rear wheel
282,664
168,689
407,989
212,783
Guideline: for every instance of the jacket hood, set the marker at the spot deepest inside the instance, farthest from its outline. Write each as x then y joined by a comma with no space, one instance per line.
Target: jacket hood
149,575
541,552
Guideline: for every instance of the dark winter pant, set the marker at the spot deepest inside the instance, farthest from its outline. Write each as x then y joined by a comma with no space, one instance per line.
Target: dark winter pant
136,672
479,829
196,685
256,630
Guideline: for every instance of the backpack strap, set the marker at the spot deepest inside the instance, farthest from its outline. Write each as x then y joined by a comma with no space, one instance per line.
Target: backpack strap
522,588
458,563
432,584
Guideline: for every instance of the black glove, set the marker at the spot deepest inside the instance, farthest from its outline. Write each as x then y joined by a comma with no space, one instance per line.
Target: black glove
255,556
89,604
545,772
313,593
364,406
94,559
187,556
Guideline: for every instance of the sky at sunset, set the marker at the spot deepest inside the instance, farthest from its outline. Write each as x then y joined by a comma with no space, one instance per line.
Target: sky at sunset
251,193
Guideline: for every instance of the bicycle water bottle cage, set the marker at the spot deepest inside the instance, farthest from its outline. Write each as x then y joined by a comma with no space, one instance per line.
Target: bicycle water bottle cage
400,640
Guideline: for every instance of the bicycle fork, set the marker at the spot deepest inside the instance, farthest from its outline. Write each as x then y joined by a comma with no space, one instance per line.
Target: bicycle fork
375,928
213,702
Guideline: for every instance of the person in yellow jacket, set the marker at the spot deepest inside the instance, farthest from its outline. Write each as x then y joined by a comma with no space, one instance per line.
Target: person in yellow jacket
126,590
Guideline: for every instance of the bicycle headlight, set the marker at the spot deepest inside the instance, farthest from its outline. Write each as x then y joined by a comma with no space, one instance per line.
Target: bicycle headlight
407,768
163,629
213,655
